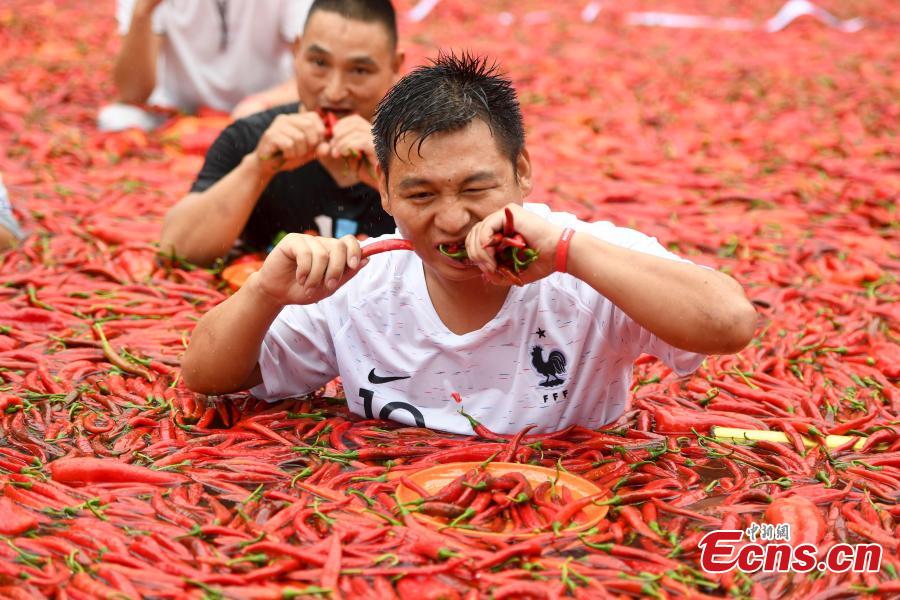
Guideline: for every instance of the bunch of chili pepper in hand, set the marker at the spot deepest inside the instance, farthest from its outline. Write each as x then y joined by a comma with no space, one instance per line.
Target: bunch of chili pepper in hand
508,503
330,119
512,252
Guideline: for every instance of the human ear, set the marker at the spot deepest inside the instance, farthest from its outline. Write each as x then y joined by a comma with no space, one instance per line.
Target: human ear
382,189
523,172
399,59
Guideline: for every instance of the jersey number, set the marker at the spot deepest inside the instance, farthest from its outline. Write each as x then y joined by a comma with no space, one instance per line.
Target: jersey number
387,409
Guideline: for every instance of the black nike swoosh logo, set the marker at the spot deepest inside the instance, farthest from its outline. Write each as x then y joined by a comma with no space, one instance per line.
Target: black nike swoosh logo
373,378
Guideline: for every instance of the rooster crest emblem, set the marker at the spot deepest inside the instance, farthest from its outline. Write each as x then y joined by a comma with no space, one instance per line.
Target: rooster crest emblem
551,368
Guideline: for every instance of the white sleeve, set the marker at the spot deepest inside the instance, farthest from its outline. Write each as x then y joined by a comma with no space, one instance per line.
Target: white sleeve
634,338
124,11
297,355
640,340
293,18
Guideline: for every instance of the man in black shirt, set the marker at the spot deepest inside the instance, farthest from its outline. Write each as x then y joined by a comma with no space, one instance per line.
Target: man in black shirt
305,166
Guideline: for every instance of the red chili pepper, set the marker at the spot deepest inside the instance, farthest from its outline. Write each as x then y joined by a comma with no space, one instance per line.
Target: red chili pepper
804,518
568,512
385,246
90,423
441,509
425,588
633,517
331,570
95,470
329,119
509,227
523,549
15,520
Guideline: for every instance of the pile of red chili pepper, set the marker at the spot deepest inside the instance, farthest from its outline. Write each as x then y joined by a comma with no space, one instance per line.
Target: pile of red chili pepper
770,156
478,501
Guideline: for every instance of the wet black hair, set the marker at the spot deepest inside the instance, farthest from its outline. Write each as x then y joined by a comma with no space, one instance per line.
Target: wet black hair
447,96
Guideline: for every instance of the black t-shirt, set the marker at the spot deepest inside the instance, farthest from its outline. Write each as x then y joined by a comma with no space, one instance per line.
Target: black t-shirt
293,199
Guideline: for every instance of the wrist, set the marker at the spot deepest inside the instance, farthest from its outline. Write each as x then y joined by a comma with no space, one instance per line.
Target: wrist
143,11
256,167
259,298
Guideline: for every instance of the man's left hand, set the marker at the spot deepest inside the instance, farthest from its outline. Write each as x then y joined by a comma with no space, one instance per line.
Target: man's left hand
539,234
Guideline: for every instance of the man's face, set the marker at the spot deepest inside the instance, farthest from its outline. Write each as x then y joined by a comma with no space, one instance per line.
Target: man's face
438,192
343,65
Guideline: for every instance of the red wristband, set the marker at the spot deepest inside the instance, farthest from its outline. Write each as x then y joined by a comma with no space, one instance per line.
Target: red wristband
562,249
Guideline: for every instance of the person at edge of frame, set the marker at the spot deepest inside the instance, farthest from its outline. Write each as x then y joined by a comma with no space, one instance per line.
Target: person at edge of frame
181,55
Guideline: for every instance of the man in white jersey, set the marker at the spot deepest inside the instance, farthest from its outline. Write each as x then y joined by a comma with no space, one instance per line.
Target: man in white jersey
230,55
405,330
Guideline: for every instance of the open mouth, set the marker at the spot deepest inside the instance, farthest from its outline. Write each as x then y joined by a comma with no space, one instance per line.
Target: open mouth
340,113
454,250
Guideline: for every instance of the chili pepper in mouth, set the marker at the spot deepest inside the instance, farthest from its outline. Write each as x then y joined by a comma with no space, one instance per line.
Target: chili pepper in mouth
330,119
455,250
512,252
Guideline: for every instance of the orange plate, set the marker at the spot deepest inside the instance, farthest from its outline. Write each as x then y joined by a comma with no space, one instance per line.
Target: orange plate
433,479
236,275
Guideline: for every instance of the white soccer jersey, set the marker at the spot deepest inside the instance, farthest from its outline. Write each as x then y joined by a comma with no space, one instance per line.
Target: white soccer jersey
557,353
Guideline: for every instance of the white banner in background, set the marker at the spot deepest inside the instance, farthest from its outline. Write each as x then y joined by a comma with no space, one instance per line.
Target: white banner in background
791,10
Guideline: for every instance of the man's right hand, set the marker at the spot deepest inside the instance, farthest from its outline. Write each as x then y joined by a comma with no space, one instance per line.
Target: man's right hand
290,142
303,269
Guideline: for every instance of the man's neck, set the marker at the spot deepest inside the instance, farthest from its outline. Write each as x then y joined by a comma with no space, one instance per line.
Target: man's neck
465,306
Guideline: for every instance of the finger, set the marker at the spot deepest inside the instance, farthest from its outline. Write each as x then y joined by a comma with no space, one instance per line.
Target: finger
354,251
283,144
302,258
313,135
368,149
336,147
478,254
299,136
337,262
315,120
496,279
323,151
353,144
319,263
351,123
301,144
267,149
493,223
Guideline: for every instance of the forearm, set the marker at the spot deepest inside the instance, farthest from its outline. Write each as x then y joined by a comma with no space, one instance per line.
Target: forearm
135,70
283,93
275,96
224,349
203,226
687,306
